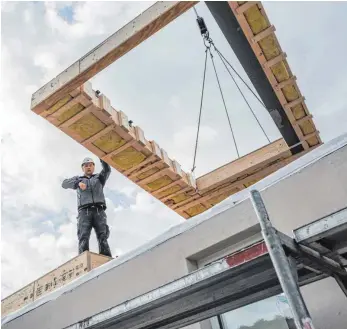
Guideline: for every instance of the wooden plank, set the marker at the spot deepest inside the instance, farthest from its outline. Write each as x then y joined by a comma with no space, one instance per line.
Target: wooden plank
289,105
275,60
263,34
242,165
285,83
132,34
260,174
140,165
101,133
307,117
151,166
108,156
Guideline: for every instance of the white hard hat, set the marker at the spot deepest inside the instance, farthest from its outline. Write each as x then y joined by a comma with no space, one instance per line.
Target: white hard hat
87,160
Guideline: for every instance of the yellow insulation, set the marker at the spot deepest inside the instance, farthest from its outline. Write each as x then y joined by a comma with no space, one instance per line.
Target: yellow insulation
148,173
128,158
109,142
59,104
312,141
290,93
180,197
170,190
256,20
195,210
70,113
280,71
298,111
307,127
159,183
87,126
269,47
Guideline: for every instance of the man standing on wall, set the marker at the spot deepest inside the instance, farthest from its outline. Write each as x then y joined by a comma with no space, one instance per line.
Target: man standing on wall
91,205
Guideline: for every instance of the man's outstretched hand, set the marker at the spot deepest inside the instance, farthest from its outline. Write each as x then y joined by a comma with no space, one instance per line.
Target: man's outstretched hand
82,186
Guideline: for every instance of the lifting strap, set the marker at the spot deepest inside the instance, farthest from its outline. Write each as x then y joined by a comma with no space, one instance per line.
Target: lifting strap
208,42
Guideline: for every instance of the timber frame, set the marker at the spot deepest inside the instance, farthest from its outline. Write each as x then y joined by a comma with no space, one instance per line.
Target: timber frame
69,103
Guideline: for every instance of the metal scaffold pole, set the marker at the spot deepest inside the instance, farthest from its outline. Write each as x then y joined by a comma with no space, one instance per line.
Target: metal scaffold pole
282,265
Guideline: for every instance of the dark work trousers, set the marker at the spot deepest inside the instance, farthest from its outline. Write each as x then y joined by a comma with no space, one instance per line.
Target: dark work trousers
86,220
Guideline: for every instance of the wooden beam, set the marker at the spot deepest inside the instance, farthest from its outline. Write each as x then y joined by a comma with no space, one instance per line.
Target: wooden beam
246,6
128,37
264,34
294,103
275,60
122,148
305,118
246,163
285,83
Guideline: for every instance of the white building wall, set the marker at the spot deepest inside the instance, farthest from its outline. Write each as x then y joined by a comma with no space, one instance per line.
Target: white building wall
313,192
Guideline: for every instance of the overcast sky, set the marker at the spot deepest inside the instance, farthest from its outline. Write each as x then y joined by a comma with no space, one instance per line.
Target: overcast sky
158,86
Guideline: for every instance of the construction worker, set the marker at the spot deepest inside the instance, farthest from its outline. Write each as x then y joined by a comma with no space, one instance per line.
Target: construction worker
91,205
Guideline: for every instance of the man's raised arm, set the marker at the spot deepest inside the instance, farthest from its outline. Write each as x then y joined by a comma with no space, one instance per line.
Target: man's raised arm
71,183
105,172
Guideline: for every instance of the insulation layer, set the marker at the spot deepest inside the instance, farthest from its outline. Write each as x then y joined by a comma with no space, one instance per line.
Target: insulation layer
95,124
261,36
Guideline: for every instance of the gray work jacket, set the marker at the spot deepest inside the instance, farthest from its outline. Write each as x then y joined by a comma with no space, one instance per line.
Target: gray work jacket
93,195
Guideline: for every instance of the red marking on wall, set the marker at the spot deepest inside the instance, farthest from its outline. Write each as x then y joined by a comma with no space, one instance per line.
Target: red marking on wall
247,255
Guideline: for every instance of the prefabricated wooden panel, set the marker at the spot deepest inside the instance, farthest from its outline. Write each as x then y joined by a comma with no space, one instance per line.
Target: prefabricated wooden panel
107,133
96,260
243,165
18,300
59,277
128,37
261,35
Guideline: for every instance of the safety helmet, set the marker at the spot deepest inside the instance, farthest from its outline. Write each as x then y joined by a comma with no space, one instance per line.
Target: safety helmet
87,160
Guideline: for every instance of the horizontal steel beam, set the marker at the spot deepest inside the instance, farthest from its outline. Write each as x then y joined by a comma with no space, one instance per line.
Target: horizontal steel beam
323,228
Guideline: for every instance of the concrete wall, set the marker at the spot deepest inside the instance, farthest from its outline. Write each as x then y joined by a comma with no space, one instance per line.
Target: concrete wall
315,191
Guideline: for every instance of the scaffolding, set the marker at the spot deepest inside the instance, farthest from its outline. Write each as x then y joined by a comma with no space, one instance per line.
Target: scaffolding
277,263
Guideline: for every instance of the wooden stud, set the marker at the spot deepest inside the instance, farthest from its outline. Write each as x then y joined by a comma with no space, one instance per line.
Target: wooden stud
140,136
156,175
184,190
241,9
120,149
305,118
140,165
295,102
275,60
263,34
285,83
101,133
175,182
315,133
139,172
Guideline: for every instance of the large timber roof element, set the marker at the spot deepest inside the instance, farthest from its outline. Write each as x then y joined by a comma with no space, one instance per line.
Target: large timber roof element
69,103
